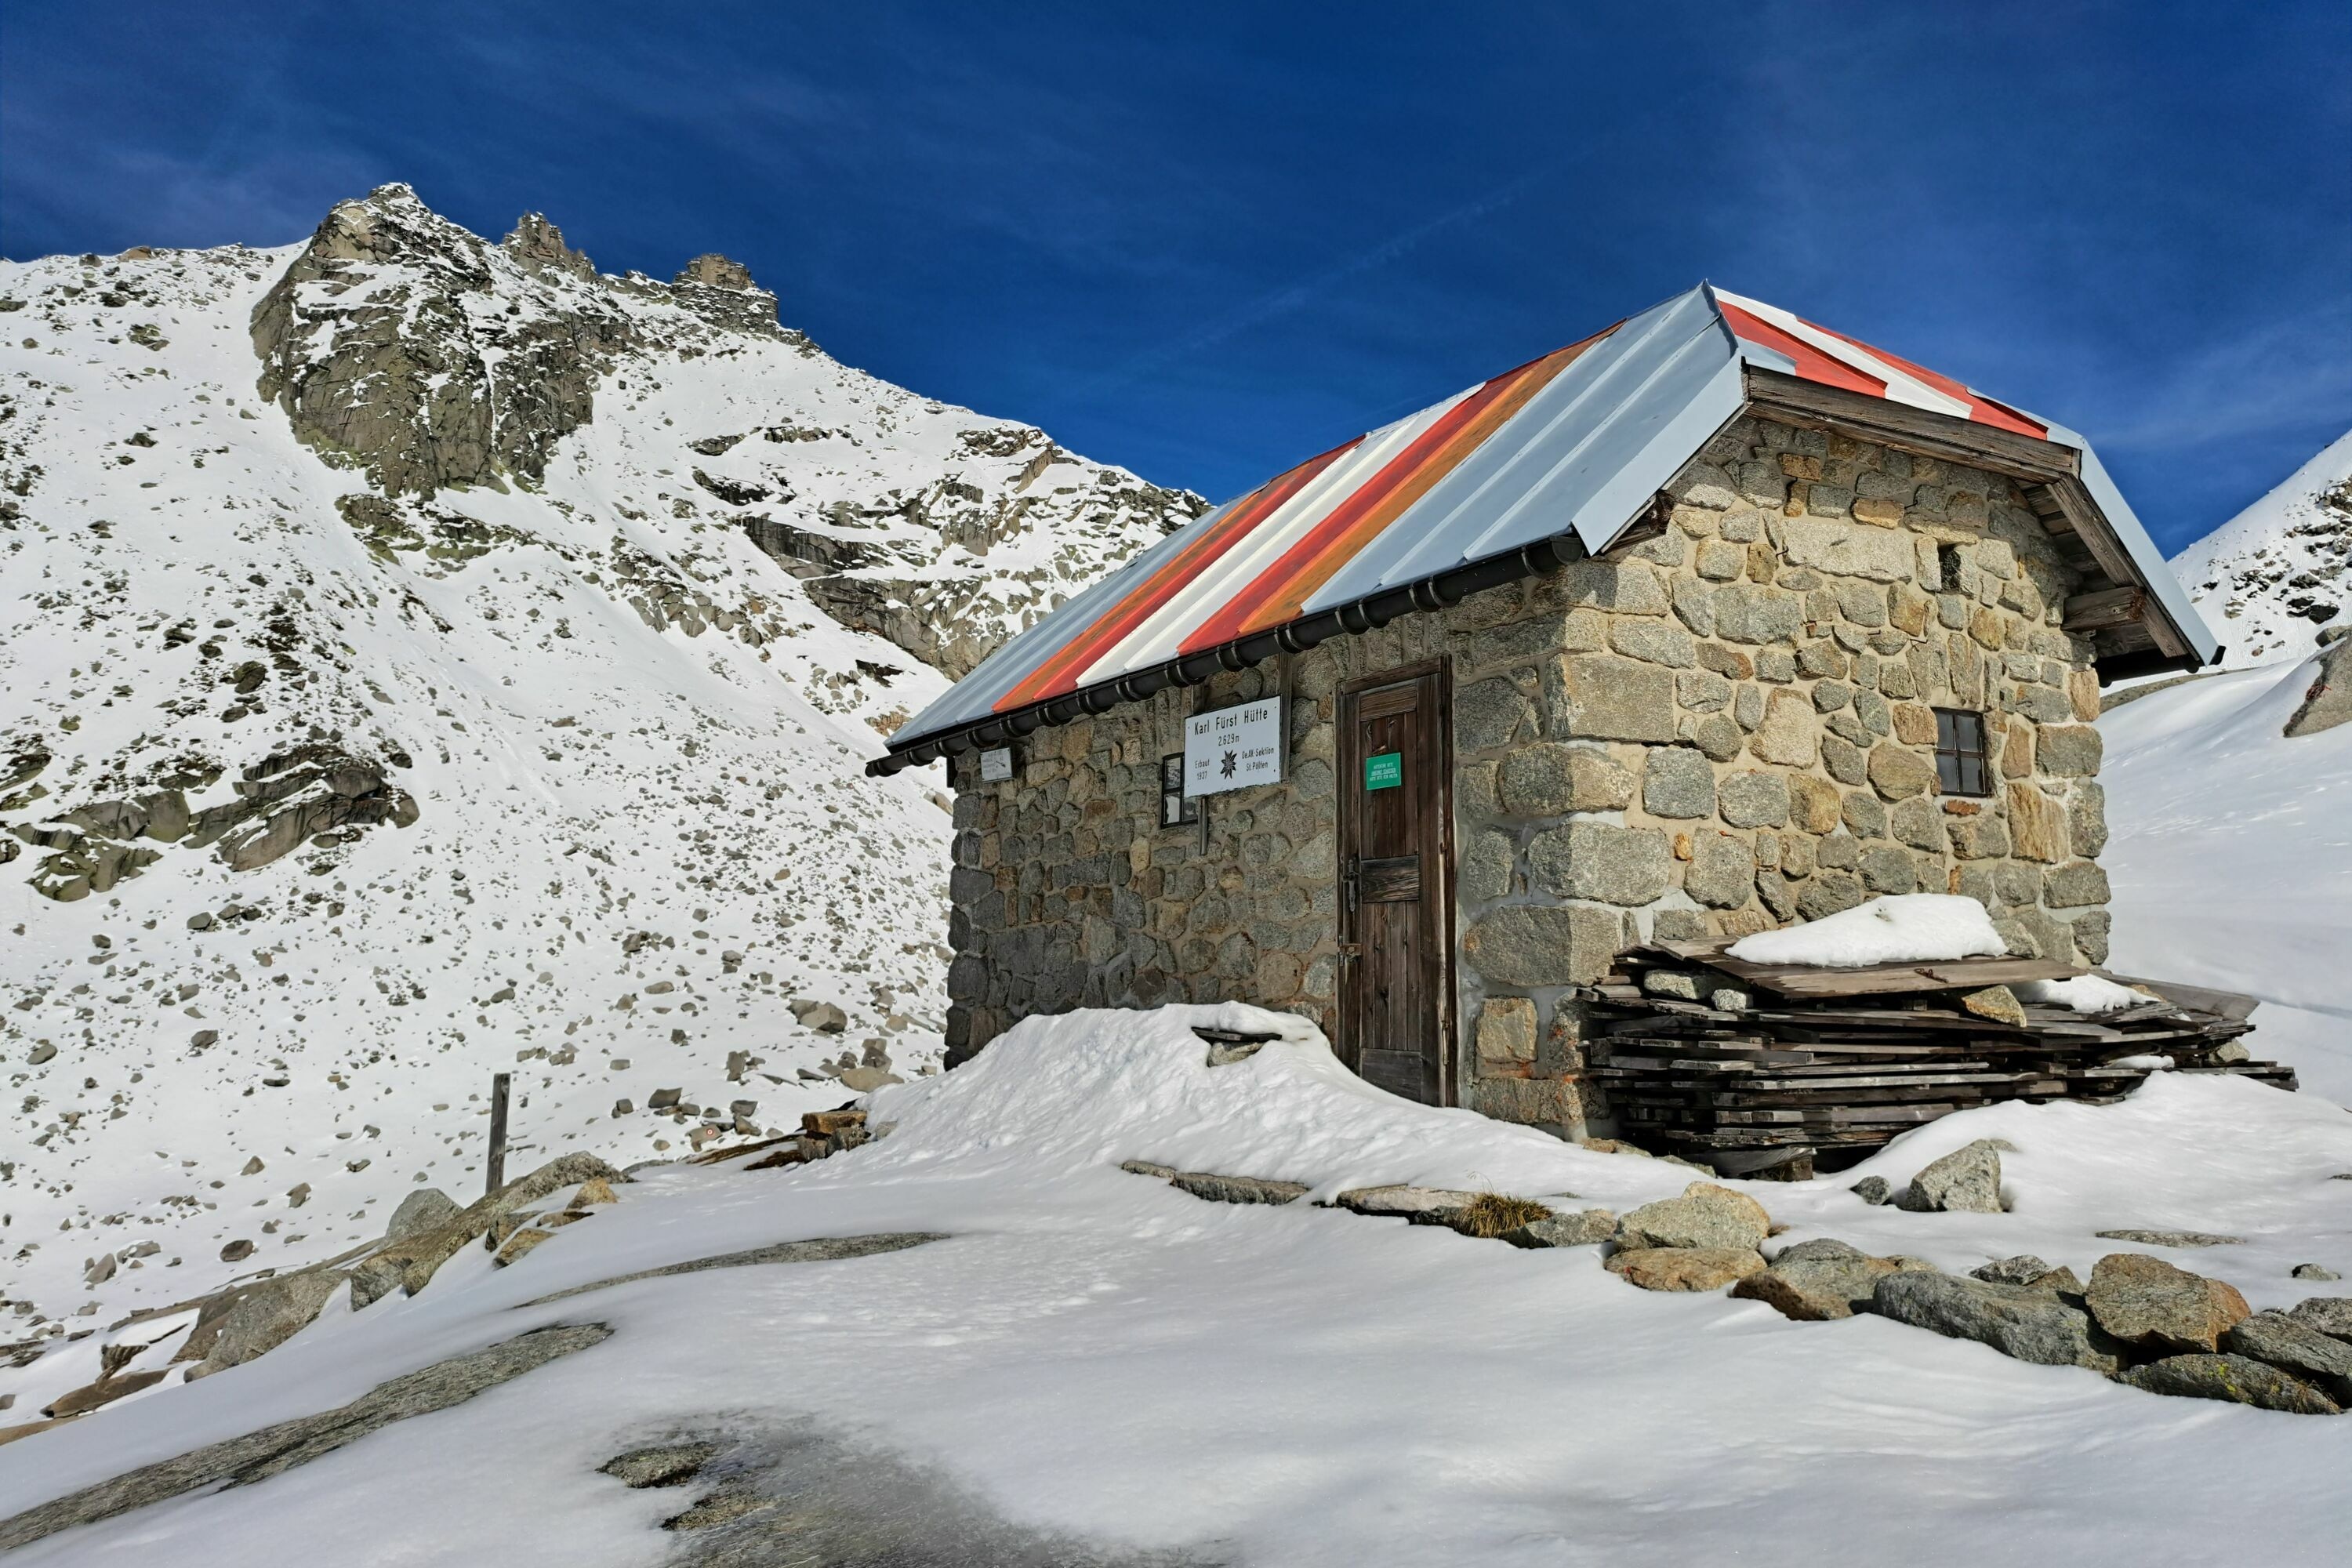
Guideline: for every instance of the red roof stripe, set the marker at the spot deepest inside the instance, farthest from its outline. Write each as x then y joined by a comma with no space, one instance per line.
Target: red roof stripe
1812,364
1332,530
1059,675
1981,409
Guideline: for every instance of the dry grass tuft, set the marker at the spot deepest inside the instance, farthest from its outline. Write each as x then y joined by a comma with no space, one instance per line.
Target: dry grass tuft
1492,1214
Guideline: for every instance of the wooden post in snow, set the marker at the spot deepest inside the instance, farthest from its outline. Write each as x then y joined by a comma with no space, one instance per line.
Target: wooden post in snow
496,1171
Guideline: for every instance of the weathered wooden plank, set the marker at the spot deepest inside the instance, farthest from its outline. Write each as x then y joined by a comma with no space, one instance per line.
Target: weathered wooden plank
2105,608
1968,973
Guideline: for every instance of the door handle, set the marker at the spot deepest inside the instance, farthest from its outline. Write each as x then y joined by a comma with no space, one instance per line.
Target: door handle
1353,880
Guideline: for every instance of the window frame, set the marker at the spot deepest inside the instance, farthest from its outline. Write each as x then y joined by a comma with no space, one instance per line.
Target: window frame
1954,757
1185,810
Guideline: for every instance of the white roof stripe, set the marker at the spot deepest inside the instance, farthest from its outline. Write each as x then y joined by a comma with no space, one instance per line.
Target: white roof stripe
1901,385
1162,634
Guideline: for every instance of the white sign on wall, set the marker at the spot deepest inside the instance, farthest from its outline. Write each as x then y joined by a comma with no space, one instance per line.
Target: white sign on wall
996,764
1234,748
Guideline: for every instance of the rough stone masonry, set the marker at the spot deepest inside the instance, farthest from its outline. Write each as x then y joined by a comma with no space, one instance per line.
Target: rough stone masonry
1725,726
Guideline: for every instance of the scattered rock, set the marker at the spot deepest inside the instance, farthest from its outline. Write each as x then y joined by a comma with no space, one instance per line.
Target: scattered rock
822,1017
2022,1270
2296,1349
594,1190
2238,1379
720,1508
409,1262
1684,1267
520,1244
2331,1315
421,1210
663,1099
266,1316
236,1251
2173,1238
2147,1302
1967,1180
2031,1325
1872,1190
105,1391
298,1195
667,1465
1588,1227
1815,1281
1219,1189
1706,1217
1421,1206
252,1167
1998,1002
2314,1271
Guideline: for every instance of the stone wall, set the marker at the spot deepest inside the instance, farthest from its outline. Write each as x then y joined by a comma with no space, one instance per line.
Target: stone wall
1724,727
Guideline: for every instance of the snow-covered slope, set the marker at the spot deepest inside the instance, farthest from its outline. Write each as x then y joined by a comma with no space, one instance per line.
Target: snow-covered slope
421,657
2269,579
1093,1367
2230,857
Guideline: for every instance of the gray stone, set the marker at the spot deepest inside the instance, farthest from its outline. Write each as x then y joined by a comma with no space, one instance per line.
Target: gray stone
257,1456
1627,866
1551,780
1654,642
2147,1303
1750,613
2031,1325
2295,1348
2329,1314
1485,870
1531,945
1817,1281
90,1397
2327,701
267,1315
1586,1227
1221,1189
2314,1271
1967,1180
423,1209
1754,799
1872,1190
1706,1216
1604,697
2174,1237
1490,714
2068,750
1676,783
666,1465
2022,1270
824,1249
1722,871
1421,1206
2235,1379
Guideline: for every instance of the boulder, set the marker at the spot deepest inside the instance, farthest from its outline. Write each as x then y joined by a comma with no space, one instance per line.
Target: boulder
266,1316
422,1210
2331,1315
2147,1302
1421,1206
1706,1217
1967,1180
2303,1353
1872,1190
2314,1271
1219,1189
1685,1267
1588,1227
2031,1325
105,1391
2022,1270
1815,1281
2237,1379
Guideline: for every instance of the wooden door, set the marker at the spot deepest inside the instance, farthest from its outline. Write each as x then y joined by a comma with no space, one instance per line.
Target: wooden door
1396,1013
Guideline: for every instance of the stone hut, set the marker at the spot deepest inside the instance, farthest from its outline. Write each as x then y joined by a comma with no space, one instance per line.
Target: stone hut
1714,621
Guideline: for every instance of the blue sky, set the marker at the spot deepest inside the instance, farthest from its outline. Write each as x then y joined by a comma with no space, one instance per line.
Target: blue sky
1205,241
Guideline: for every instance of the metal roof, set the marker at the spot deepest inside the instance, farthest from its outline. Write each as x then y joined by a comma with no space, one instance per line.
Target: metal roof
1557,455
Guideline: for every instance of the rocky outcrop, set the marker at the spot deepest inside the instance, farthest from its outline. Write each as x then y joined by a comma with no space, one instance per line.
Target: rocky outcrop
2235,1379
2031,1325
408,1263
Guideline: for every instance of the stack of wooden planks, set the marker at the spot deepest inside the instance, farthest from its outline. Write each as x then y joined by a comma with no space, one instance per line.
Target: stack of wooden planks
1771,1070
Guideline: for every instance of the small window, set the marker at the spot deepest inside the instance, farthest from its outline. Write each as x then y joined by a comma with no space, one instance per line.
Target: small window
1175,810
1960,752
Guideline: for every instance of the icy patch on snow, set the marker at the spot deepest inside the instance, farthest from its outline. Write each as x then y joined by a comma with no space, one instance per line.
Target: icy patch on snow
1905,928
2083,994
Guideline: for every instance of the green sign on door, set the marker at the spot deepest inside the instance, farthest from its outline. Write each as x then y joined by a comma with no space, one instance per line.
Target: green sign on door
1385,771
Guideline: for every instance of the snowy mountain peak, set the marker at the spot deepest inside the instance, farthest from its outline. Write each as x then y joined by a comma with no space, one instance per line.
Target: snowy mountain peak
2270,579
420,656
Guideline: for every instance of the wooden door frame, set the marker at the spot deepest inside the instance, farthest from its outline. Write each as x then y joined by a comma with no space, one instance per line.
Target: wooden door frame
1441,955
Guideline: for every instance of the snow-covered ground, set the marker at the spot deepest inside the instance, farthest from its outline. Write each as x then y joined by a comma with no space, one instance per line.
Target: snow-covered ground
634,744
2230,857
1096,1355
